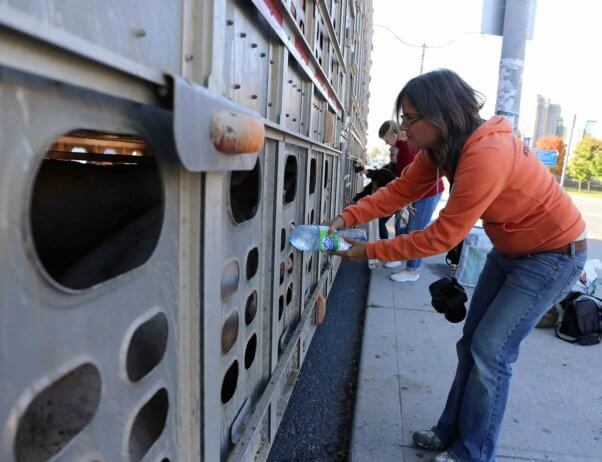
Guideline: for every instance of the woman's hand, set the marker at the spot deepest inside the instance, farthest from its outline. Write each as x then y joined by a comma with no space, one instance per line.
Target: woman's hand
357,252
335,224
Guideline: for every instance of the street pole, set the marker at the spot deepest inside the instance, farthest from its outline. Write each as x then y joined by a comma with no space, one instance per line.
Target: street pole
568,151
516,25
422,58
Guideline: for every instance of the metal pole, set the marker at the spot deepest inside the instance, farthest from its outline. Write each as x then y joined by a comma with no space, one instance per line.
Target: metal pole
568,151
422,58
516,24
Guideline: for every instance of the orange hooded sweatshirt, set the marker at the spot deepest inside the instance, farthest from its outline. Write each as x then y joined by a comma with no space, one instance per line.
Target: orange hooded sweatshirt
523,208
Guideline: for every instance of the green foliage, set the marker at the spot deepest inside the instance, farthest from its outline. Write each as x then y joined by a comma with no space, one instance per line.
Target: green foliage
586,162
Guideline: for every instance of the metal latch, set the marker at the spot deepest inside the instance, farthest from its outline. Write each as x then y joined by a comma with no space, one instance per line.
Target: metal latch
211,132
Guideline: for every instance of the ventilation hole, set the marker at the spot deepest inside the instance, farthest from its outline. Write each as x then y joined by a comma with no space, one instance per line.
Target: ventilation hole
280,307
289,294
309,264
290,179
148,425
282,272
290,262
229,332
244,194
311,216
251,308
282,239
252,262
230,279
250,351
312,176
96,212
229,383
147,347
57,414
326,165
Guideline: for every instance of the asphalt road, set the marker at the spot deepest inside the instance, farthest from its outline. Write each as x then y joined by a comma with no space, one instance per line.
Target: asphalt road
591,209
317,423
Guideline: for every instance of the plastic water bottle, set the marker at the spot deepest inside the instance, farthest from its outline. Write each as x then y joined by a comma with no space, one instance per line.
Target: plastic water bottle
312,238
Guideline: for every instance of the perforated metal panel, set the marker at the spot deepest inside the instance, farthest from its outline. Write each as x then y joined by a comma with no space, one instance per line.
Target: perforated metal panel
180,333
91,366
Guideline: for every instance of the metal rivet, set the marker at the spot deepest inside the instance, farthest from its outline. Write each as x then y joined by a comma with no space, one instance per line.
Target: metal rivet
140,33
253,45
263,55
243,35
189,58
253,96
269,104
229,22
236,86
271,61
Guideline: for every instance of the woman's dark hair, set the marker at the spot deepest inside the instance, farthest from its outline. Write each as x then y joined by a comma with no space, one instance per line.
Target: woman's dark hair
453,106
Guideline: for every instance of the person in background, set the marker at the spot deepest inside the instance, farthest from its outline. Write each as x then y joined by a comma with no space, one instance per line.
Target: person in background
380,177
421,210
539,246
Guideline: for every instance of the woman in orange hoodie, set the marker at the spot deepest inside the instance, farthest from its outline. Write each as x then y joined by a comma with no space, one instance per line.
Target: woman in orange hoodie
537,233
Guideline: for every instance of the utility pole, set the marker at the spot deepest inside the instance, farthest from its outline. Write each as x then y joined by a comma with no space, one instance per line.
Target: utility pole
515,32
422,58
568,151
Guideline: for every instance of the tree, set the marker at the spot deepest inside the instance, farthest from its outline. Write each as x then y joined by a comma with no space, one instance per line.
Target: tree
557,143
374,153
586,162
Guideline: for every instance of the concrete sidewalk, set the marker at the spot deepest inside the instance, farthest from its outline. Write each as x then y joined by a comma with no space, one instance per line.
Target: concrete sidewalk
407,364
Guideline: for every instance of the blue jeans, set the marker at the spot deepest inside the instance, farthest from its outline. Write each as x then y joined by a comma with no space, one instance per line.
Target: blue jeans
509,299
383,232
420,220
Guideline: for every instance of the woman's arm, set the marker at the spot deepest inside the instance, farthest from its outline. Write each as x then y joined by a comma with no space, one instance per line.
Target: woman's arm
480,178
415,180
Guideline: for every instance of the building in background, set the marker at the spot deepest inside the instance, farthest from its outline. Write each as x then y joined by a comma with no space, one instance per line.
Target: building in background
590,128
548,119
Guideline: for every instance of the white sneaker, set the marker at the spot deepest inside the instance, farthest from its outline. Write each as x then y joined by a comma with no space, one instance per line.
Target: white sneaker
405,276
392,264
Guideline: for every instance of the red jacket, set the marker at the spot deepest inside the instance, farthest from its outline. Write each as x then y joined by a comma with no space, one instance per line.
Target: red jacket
405,156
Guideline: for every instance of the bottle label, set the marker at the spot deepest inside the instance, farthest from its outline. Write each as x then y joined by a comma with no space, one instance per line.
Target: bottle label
328,242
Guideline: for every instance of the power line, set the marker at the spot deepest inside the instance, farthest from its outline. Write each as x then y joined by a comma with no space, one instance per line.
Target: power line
424,45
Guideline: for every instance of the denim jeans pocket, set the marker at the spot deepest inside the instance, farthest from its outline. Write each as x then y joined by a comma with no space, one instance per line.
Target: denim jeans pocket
546,258
568,285
533,273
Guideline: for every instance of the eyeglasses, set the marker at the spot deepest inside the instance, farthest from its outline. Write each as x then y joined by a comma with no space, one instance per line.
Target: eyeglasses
408,122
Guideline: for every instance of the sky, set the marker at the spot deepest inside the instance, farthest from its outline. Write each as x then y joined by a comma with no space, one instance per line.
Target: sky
562,62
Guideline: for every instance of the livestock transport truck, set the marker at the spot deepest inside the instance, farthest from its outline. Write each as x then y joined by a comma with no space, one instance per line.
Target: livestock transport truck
154,155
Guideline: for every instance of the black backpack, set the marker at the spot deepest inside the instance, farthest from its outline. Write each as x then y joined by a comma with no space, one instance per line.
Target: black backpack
581,321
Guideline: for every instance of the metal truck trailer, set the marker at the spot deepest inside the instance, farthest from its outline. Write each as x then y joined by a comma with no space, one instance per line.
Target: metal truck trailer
154,155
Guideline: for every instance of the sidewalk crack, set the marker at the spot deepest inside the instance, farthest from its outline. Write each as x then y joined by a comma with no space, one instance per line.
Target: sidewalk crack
398,375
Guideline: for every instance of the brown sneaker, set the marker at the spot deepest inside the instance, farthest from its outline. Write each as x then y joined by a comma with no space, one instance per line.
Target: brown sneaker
428,439
445,457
